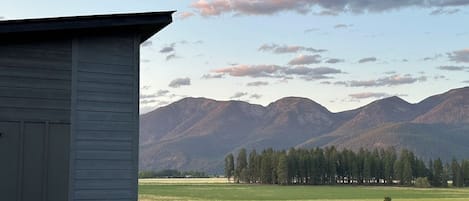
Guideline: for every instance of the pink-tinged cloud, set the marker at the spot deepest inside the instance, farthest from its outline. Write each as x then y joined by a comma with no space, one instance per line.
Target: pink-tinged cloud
185,15
249,70
305,60
319,7
460,56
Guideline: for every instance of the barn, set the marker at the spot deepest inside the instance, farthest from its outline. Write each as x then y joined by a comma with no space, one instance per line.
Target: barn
69,106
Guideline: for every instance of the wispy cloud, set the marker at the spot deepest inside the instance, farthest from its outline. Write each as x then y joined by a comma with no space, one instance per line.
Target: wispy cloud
168,49
212,76
257,84
325,7
453,68
366,95
367,59
159,93
178,82
459,56
342,26
311,30
171,56
255,96
185,15
305,60
444,11
275,71
392,80
238,95
334,60
283,49
249,70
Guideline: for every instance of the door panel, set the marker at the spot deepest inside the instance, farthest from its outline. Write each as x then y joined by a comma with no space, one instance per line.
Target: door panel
58,162
9,154
33,161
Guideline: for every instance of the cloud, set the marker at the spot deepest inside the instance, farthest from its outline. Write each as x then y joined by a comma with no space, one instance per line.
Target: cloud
275,71
305,59
283,49
212,76
238,95
433,58
249,70
442,11
459,56
342,26
255,96
367,59
178,82
147,43
168,49
171,56
366,95
453,68
334,60
185,15
159,93
311,30
321,7
392,80
390,72
257,84
467,81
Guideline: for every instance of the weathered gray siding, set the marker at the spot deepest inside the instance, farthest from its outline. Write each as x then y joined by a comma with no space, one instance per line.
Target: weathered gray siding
35,80
104,118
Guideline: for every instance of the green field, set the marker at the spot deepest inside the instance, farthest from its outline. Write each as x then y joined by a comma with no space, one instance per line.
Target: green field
218,189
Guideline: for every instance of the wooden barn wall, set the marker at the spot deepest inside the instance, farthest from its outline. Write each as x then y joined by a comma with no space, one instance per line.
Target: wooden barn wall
105,118
35,80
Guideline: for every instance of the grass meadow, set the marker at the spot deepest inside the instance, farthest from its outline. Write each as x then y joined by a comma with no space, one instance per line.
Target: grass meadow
217,189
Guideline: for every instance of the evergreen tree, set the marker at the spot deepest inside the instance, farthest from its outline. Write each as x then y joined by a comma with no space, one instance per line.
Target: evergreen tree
229,166
253,167
437,173
241,164
282,169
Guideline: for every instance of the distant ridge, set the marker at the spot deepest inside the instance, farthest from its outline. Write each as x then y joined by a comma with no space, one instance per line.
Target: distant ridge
196,133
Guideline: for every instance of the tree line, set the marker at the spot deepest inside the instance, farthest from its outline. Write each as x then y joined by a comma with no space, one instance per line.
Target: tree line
169,173
326,166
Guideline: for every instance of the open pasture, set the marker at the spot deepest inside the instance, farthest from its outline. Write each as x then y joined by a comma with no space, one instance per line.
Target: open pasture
218,189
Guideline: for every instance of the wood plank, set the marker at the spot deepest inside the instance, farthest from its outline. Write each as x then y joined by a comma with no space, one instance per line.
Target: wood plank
103,135
35,83
102,194
106,125
34,103
52,94
103,164
105,88
115,69
102,155
104,145
104,116
103,174
95,184
35,73
103,106
100,77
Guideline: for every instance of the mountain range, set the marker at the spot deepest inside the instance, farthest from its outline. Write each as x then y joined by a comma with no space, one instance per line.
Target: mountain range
196,133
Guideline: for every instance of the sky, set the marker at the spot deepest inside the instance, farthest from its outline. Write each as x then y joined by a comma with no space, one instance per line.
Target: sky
341,54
